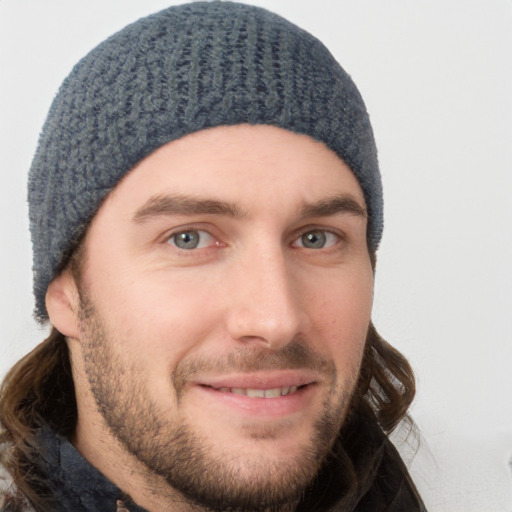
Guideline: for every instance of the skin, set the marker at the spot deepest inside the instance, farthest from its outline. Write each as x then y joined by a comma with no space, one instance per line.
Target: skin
277,293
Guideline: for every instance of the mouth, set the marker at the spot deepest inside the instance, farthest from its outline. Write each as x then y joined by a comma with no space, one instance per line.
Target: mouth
260,393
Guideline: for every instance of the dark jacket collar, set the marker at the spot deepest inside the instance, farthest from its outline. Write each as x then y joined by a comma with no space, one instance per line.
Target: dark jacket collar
77,485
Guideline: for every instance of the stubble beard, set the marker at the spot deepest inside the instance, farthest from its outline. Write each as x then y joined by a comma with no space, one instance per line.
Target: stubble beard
182,457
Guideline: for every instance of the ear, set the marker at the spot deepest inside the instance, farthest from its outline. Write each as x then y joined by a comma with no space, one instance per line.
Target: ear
62,304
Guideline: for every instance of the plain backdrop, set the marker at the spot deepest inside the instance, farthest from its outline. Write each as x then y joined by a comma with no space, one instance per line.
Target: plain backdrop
436,76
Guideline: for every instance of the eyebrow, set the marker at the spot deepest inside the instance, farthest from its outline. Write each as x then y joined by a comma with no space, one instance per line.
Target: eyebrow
343,203
161,205
165,205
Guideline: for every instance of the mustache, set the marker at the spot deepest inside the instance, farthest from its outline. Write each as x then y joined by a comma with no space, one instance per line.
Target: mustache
296,355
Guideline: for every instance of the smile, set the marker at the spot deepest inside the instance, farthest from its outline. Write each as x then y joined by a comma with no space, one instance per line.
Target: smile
262,397
261,393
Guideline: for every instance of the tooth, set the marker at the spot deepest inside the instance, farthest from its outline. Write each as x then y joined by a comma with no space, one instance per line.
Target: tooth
256,393
272,393
262,393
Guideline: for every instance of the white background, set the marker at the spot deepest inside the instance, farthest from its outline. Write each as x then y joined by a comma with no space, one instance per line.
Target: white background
437,79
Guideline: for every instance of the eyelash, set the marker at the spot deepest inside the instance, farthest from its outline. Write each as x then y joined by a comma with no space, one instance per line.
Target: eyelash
332,238
203,232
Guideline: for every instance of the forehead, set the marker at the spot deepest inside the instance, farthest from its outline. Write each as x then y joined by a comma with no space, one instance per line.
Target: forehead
252,166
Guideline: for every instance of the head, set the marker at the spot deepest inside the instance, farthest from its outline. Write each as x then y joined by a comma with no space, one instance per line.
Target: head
205,210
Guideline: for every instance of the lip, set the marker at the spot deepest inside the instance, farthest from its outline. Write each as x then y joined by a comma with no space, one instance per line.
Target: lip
261,380
215,392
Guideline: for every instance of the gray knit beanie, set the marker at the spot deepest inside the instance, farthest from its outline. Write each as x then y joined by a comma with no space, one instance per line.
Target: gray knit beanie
178,71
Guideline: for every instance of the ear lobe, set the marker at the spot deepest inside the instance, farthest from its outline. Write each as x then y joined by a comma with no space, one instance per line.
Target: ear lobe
62,304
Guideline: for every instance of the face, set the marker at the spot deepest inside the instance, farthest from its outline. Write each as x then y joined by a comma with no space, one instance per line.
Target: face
226,293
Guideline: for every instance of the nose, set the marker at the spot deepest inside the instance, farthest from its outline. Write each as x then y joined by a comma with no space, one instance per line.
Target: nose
266,307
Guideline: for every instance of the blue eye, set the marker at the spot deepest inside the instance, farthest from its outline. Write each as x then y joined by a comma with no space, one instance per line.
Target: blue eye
191,239
316,239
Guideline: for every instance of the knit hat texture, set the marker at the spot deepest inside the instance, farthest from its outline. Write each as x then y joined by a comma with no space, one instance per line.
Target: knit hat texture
181,70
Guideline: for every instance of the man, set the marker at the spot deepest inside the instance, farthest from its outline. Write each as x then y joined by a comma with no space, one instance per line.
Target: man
205,207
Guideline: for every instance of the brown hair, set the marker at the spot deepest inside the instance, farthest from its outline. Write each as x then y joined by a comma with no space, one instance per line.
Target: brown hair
38,390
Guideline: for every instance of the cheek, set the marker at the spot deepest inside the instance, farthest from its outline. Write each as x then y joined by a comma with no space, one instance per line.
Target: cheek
341,313
151,326
163,317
